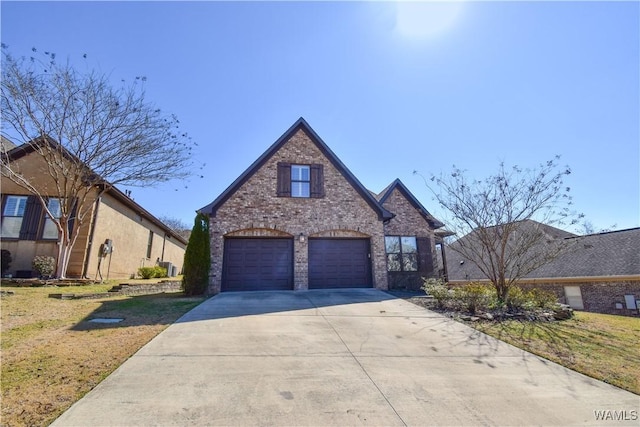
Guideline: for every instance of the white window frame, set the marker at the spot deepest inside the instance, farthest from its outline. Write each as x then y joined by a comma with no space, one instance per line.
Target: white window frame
300,184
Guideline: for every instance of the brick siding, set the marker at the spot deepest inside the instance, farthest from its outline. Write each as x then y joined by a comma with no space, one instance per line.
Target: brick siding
255,210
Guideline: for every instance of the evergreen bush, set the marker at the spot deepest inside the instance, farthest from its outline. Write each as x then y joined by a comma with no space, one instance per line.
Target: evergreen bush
44,265
197,258
151,272
147,272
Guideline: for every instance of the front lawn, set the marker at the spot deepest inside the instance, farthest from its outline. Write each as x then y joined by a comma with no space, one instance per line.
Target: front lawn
601,346
52,355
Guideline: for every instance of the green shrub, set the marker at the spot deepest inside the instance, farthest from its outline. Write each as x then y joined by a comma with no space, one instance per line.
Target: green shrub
517,299
543,299
197,258
159,271
438,290
151,272
474,297
44,265
147,272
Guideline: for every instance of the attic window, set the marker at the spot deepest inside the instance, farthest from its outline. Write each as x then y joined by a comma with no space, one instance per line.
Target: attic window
300,181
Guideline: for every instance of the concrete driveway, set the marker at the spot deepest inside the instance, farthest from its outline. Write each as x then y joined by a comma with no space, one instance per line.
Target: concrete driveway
329,358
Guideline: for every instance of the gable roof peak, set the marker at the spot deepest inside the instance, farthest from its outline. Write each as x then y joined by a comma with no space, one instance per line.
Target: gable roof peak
398,184
301,123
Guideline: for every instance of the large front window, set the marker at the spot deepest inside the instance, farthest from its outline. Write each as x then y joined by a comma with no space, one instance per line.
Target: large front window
12,216
300,181
402,253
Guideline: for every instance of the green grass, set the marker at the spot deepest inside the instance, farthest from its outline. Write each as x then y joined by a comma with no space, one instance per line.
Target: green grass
601,346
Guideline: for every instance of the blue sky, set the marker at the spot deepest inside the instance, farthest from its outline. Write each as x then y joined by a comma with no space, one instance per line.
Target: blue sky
390,87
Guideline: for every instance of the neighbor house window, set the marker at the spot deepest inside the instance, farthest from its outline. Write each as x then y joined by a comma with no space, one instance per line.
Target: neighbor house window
300,181
150,244
12,215
402,253
50,230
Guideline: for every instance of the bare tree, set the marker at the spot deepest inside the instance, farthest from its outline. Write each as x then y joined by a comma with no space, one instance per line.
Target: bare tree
506,219
89,136
177,225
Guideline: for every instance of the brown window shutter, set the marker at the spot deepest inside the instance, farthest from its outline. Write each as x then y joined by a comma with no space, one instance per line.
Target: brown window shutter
425,257
72,215
317,181
284,180
31,220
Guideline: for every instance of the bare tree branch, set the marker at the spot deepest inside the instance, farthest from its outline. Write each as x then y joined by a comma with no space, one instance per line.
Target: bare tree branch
504,218
91,136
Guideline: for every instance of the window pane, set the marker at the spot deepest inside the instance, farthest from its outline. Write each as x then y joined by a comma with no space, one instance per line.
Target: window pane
11,226
50,230
392,244
299,189
410,262
12,216
299,173
54,206
15,205
393,262
409,245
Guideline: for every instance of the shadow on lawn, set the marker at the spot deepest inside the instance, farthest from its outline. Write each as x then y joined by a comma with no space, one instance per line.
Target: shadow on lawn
155,309
175,307
543,336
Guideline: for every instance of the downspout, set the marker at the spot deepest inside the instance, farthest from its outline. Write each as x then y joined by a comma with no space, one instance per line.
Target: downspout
164,240
91,235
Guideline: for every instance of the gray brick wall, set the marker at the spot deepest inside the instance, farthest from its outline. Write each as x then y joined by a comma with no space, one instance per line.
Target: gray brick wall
599,296
255,210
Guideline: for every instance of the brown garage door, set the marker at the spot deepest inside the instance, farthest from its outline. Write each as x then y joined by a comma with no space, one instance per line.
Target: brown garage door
257,264
339,263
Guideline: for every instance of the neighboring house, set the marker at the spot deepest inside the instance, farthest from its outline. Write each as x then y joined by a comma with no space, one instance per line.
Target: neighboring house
597,272
297,218
137,237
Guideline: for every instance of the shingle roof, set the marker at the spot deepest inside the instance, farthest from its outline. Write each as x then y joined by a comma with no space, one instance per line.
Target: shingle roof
615,253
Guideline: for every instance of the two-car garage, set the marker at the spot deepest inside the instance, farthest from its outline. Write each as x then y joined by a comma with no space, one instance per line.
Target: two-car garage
251,264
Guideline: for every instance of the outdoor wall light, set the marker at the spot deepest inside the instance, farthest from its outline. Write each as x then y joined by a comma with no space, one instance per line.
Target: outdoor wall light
301,238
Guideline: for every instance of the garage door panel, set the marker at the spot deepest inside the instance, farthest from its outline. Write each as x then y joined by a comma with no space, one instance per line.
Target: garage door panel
257,264
339,263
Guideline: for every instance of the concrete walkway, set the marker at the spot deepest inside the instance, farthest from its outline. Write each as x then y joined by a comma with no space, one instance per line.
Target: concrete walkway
338,358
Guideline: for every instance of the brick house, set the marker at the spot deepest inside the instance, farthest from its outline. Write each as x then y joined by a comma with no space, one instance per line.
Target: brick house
597,272
137,237
297,219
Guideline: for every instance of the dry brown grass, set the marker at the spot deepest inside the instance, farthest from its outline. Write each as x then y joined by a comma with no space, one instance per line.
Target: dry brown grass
52,355
601,346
